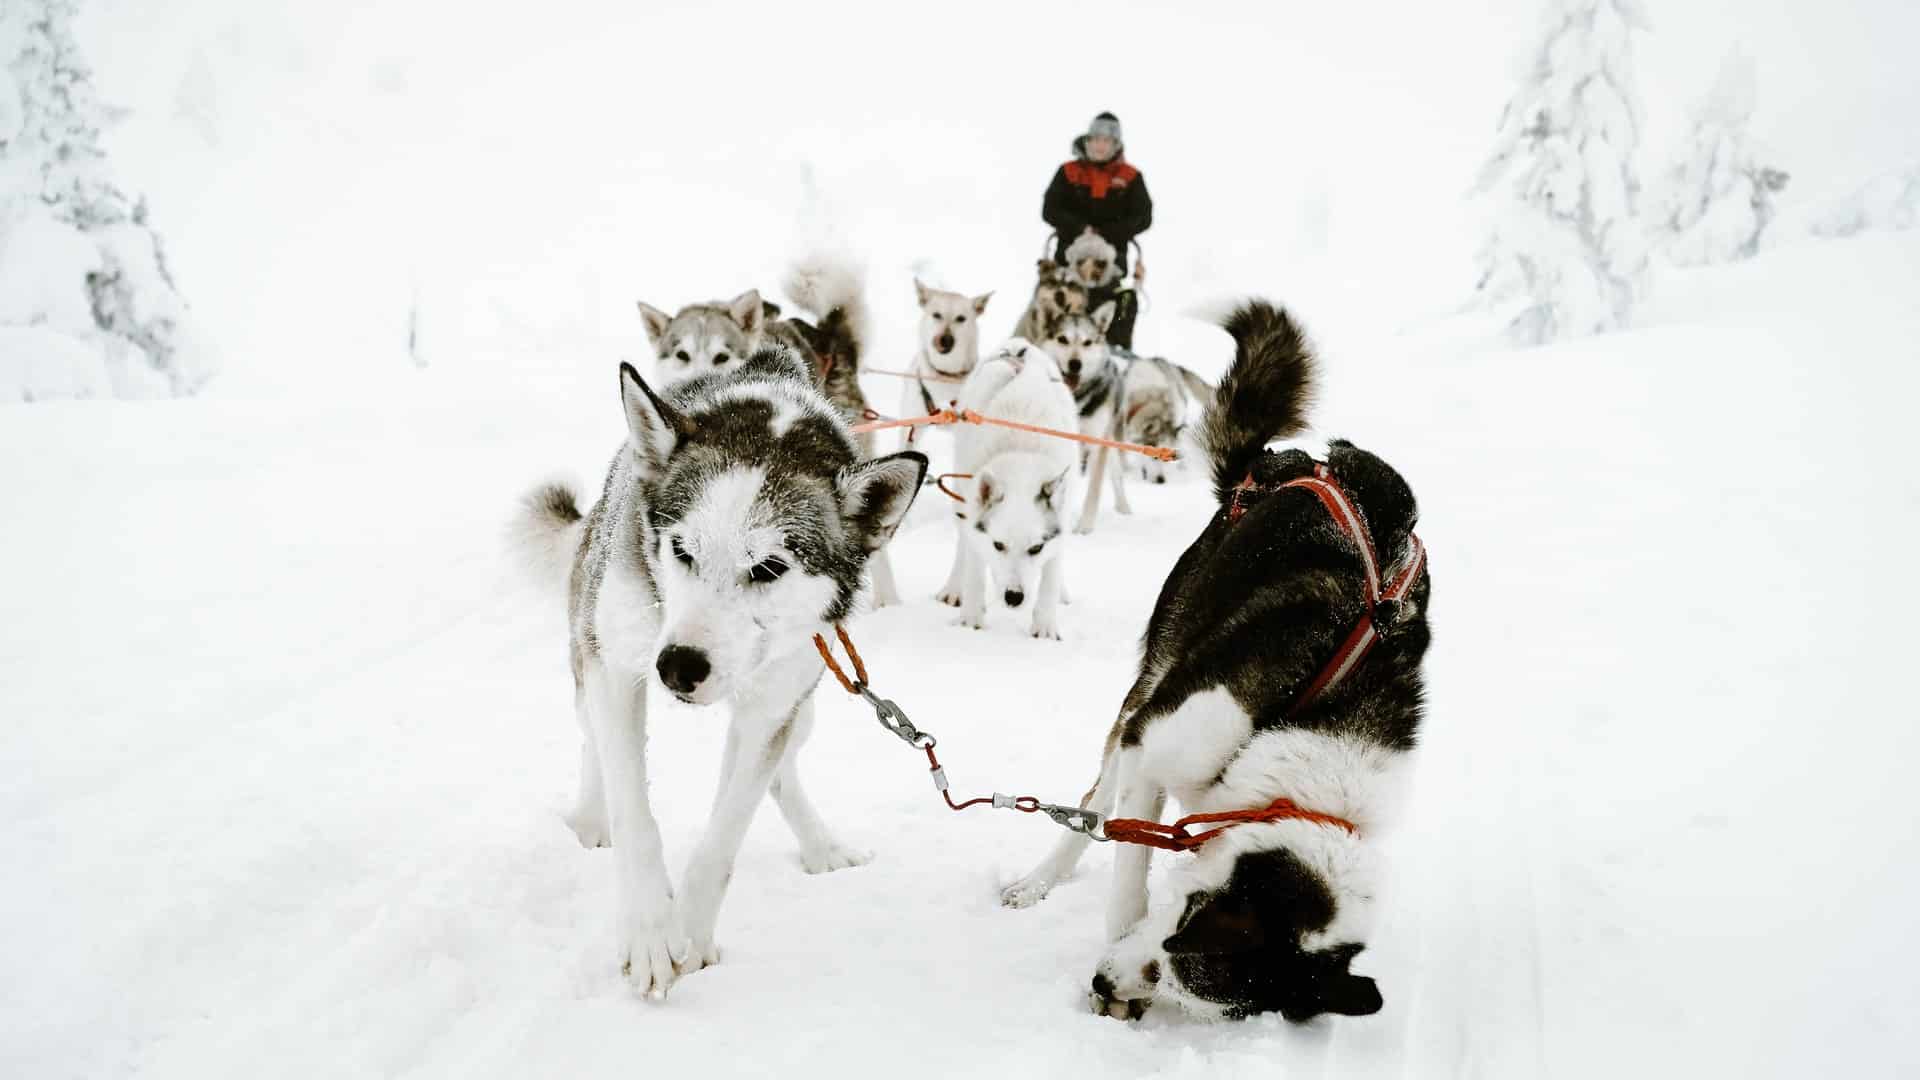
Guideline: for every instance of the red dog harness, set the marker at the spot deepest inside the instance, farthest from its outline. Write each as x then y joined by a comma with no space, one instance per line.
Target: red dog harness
1364,635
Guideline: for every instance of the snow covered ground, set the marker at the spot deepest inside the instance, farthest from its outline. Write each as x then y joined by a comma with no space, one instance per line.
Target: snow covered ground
286,740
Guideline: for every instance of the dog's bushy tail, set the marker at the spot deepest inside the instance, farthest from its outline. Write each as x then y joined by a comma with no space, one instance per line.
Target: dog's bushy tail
833,291
1264,395
546,532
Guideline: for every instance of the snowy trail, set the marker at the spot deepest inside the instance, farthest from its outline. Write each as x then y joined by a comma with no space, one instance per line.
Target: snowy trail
294,780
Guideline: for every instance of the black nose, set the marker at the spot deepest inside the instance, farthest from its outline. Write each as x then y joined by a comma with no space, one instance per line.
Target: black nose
683,669
1159,479
1073,367
1014,597
944,342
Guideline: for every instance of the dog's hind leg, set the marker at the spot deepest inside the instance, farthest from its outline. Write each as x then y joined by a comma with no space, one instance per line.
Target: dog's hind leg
1123,983
615,703
588,818
1066,853
819,851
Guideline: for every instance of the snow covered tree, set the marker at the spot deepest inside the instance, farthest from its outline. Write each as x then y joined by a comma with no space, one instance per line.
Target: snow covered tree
82,273
1719,198
1888,201
1564,236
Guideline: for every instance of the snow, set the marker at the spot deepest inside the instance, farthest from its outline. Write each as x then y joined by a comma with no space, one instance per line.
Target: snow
288,741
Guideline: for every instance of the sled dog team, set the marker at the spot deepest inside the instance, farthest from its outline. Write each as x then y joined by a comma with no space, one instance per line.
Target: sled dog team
741,516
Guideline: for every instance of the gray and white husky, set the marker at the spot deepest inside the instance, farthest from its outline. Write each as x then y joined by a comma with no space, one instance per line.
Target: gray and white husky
736,521
1269,915
1078,345
700,339
1011,527
1161,398
1093,261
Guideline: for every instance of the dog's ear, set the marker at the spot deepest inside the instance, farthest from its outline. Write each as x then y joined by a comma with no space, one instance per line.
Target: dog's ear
1103,315
654,427
1054,490
922,292
1349,995
747,311
1196,387
980,303
985,491
1217,923
657,322
875,495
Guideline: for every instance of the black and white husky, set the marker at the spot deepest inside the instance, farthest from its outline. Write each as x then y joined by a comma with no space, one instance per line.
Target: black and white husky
1268,915
737,521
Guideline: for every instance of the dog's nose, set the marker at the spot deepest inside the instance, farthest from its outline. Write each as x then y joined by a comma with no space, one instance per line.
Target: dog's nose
1159,479
944,343
1073,367
683,669
1014,597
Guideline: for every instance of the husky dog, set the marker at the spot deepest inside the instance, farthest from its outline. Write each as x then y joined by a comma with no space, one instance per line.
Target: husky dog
949,348
703,338
1078,345
1010,526
736,522
1267,915
1158,394
1092,261
1056,294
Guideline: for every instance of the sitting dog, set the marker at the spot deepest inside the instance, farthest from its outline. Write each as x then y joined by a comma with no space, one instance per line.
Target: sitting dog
1009,528
1239,705
1092,261
737,521
1078,345
949,348
1056,295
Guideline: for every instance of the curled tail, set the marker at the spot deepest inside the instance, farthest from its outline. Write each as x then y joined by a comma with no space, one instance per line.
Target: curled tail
832,291
1264,395
546,532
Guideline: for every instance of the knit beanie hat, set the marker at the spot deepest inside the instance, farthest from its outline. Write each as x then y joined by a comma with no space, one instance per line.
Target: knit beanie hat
1105,124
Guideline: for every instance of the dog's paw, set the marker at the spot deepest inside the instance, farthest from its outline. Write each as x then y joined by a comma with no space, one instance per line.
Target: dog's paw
972,621
1085,528
1046,628
701,953
647,958
1122,995
949,597
1025,893
833,857
590,829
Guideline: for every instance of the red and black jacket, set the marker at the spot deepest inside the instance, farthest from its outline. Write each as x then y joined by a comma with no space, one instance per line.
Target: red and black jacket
1110,196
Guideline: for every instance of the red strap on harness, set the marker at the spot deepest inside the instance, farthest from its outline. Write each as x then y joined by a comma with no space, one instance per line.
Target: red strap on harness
1175,837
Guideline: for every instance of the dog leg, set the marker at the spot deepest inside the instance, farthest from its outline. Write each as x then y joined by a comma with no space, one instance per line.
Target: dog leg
886,592
1095,482
819,852
953,593
616,707
1120,504
588,820
765,720
1046,606
1066,852
1123,983
973,588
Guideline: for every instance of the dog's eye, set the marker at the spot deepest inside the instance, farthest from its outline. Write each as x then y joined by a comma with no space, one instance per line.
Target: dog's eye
721,359
1063,340
683,357
961,319
680,552
1035,549
767,570
998,546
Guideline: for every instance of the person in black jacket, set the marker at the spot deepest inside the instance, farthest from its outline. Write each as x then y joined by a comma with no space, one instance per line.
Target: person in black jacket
1099,189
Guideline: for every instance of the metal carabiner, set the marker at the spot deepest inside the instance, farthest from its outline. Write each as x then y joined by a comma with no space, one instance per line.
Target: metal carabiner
1075,819
894,719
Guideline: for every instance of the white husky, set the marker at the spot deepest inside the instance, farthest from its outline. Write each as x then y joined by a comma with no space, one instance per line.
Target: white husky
1024,486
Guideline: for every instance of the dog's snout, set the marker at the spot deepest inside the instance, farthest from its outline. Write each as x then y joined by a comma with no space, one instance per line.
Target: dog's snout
1073,367
1160,479
683,669
944,343
1015,597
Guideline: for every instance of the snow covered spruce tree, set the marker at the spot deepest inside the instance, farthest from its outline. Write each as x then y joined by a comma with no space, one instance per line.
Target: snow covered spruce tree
87,306
1718,198
1561,180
